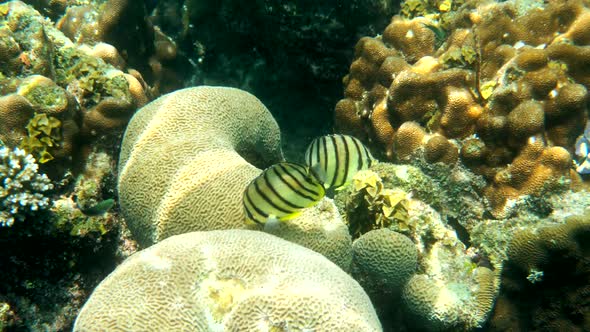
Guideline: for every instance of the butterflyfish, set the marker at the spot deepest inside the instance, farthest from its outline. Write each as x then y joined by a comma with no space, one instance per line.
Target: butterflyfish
335,159
280,193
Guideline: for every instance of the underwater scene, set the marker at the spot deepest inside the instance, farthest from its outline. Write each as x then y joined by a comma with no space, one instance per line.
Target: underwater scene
294,165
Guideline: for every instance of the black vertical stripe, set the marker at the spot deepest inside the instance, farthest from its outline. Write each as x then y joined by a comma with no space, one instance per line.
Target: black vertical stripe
369,157
317,153
314,151
258,211
337,160
359,153
267,199
277,194
324,163
304,176
347,153
299,185
309,153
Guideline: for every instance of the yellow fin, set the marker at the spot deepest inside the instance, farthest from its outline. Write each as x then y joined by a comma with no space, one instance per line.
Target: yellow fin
290,216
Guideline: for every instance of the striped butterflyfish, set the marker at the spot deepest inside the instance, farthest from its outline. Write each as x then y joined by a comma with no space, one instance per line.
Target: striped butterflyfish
335,159
281,192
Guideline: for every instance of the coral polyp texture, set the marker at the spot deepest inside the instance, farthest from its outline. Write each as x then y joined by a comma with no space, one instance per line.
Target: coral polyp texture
186,159
22,189
501,85
383,261
407,247
57,94
539,261
229,280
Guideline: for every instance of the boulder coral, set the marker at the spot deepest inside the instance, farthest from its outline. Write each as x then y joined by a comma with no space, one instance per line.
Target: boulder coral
186,159
480,81
383,261
230,280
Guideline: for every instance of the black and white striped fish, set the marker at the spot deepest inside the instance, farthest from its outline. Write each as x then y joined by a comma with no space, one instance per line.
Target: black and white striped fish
280,193
335,159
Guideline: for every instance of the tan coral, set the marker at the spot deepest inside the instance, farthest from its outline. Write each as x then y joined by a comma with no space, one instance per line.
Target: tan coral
440,149
186,159
527,119
231,280
530,249
408,138
185,143
112,113
15,111
503,72
383,262
108,53
36,95
411,37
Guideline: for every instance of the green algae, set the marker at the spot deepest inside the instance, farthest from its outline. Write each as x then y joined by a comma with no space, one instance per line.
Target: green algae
44,135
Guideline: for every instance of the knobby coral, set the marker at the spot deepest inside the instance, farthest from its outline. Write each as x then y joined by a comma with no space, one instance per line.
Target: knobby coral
482,82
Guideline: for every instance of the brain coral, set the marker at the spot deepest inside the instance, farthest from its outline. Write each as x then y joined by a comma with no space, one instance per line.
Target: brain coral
231,280
186,159
383,261
483,81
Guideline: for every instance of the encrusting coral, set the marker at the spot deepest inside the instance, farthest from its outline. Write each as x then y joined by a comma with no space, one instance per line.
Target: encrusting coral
123,24
186,159
483,81
234,280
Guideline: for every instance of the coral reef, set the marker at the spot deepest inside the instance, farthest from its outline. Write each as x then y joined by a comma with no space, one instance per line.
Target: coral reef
23,191
46,80
123,24
480,82
545,279
481,103
383,261
454,287
178,174
380,196
229,280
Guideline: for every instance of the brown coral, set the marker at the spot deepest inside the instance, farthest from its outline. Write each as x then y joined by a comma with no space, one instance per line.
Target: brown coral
36,99
503,72
545,279
122,24
71,86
